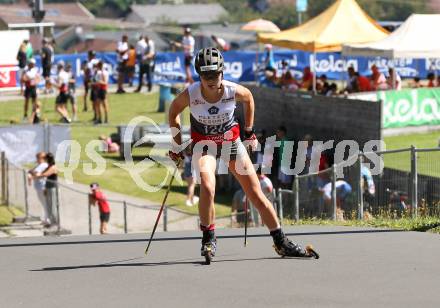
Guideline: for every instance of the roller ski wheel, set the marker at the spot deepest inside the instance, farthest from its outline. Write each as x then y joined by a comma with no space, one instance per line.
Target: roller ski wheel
207,252
287,248
312,252
209,246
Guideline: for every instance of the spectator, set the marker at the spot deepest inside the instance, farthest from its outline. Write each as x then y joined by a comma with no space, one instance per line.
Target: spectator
307,80
46,63
88,73
394,81
352,82
187,44
343,190
94,89
39,185
416,83
368,187
438,81
147,65
332,90
131,64
220,43
22,62
98,197
322,85
29,50
269,61
71,90
378,80
51,176
122,56
141,44
102,77
36,113
62,83
108,145
288,83
189,178
362,83
30,79
431,80
283,179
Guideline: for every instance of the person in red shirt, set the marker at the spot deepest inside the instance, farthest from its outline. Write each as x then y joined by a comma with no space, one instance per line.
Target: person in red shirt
363,83
97,197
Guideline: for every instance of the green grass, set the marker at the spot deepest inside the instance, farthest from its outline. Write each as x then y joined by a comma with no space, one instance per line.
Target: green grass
422,224
7,214
122,109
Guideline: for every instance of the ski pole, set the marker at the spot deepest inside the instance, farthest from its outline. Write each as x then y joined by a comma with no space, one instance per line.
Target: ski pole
162,206
246,205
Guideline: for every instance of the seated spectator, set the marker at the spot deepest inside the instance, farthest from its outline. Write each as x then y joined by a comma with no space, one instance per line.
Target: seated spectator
378,80
108,145
332,90
394,81
343,190
352,82
431,80
322,85
416,83
307,80
288,83
362,83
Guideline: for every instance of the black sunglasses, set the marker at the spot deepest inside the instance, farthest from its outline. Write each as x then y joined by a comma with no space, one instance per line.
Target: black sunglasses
210,75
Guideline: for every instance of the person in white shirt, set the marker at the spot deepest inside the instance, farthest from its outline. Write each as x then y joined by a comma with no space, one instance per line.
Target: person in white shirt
147,64
39,185
187,44
62,84
122,53
394,81
141,45
88,73
30,79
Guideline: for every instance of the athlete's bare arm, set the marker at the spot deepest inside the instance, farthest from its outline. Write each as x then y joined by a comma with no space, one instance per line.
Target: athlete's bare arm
244,96
177,106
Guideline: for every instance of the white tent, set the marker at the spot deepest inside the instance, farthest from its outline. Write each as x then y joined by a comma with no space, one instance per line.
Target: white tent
414,39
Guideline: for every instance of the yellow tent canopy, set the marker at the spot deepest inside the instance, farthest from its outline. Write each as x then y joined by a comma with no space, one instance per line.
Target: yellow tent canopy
342,23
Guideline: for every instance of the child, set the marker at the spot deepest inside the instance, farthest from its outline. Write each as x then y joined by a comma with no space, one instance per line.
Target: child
97,196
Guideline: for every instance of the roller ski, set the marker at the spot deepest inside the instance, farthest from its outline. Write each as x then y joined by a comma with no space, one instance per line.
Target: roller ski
286,248
209,246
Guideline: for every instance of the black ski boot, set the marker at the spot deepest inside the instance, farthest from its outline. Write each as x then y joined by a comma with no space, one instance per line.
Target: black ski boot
286,248
209,245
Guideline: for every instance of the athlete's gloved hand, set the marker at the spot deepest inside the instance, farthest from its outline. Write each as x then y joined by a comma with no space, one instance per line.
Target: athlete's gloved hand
176,157
250,140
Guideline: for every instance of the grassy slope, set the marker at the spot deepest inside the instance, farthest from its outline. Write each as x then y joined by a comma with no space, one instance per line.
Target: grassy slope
7,213
122,109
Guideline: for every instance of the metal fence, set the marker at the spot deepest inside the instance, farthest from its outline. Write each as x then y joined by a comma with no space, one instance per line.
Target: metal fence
409,185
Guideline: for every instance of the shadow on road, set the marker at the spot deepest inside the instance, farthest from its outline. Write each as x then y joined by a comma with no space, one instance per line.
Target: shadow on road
186,238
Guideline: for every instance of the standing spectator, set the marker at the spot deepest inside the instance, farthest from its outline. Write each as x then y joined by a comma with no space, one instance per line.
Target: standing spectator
102,86
62,83
307,80
431,80
51,176
22,62
147,64
30,79
40,185
187,44
71,91
283,179
94,89
189,178
378,80
29,50
131,64
122,53
363,83
394,81
141,44
88,73
352,85
220,43
36,113
46,62
97,196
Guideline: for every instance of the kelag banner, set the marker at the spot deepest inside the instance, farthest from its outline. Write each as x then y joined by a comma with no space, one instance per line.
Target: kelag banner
412,107
240,66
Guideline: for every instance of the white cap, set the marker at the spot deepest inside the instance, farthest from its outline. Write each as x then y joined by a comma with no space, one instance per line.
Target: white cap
32,60
268,46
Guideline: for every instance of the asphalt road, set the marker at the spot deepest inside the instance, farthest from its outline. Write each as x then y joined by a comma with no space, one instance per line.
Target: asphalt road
358,268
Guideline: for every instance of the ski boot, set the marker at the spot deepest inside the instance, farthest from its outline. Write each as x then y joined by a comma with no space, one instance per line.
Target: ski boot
209,246
286,248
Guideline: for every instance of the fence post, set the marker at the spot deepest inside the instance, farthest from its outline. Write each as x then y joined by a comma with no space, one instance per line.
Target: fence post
280,200
360,188
125,218
296,196
3,175
165,219
334,201
58,207
90,216
26,199
414,185
7,181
